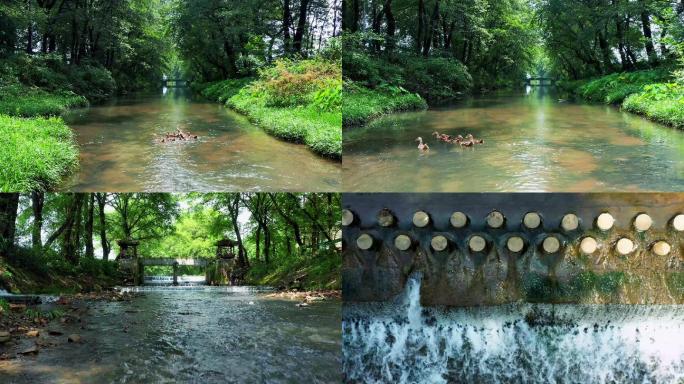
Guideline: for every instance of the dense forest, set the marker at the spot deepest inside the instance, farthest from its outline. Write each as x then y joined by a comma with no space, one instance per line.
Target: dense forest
280,237
397,50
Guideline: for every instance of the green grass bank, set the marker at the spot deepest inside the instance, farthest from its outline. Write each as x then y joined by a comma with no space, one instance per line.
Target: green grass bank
376,86
295,100
34,91
654,94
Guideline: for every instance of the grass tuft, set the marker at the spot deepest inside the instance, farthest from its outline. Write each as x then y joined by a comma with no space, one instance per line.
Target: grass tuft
40,150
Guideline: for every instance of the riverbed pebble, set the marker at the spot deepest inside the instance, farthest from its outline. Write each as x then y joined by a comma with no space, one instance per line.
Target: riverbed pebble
74,338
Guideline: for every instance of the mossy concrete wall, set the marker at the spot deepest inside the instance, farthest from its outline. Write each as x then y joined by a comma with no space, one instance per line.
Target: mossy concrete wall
470,259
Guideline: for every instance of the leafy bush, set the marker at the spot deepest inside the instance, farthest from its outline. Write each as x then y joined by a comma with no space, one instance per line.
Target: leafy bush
223,90
329,98
614,88
295,100
291,83
662,102
361,104
95,83
27,259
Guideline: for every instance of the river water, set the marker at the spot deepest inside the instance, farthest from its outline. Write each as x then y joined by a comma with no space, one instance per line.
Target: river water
120,151
192,335
532,142
402,342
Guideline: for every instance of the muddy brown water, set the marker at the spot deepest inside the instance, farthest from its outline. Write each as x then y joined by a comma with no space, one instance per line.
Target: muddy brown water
533,142
191,335
119,150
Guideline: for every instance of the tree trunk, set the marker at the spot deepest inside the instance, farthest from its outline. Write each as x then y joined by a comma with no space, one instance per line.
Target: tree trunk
646,26
287,24
421,26
106,247
301,26
257,242
293,224
37,202
9,204
89,249
431,30
391,26
70,237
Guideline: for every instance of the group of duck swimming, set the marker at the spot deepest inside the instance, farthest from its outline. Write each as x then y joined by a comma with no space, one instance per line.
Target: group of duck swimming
177,136
468,141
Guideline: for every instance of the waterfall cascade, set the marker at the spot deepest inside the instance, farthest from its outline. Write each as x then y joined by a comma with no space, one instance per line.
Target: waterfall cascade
404,342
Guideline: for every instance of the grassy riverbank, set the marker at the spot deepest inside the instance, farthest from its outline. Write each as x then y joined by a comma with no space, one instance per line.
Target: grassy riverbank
34,92
375,86
25,271
295,100
321,272
652,93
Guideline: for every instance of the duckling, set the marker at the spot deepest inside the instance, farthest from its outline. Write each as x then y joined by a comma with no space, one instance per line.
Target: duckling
474,140
422,146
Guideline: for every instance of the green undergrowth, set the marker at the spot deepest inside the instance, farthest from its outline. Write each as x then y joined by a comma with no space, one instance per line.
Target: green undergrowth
34,91
651,93
614,88
661,102
295,100
40,150
23,270
22,101
317,272
361,104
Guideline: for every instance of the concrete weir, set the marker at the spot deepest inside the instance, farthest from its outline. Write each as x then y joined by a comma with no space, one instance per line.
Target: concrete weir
489,249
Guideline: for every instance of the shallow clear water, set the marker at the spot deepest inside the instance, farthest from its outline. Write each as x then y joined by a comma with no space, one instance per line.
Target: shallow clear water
533,142
403,342
119,150
194,335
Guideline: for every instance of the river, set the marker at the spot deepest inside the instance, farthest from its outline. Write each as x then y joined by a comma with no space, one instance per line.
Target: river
120,150
532,142
191,335
403,342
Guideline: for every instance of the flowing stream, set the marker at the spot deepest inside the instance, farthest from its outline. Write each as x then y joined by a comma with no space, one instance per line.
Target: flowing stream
191,334
402,342
120,150
532,142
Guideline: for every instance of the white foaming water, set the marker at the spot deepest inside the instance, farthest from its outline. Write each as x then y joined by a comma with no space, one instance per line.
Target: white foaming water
241,289
182,280
517,343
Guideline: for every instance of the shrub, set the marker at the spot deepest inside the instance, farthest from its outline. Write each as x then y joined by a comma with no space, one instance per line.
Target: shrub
93,82
361,104
329,97
293,83
662,102
614,88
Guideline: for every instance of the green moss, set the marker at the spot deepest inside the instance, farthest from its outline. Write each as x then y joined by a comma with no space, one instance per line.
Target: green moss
361,104
40,150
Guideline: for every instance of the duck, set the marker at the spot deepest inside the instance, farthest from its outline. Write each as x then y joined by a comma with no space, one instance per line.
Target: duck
474,140
422,146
